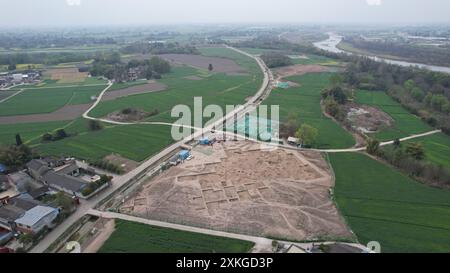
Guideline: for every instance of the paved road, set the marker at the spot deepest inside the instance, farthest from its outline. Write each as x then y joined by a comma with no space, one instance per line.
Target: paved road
119,181
261,244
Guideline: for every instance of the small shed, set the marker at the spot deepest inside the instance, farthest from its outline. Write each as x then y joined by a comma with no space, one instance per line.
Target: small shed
184,154
292,140
283,85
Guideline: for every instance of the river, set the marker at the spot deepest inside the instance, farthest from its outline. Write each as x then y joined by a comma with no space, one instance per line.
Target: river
331,43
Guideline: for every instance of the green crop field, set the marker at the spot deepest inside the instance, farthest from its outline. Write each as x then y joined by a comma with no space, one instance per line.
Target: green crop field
437,148
381,204
405,123
27,131
304,103
242,60
5,94
258,51
124,85
47,100
130,237
217,88
136,142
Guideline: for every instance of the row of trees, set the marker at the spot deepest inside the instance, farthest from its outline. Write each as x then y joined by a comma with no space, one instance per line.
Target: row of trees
305,133
144,47
423,93
58,135
274,59
410,158
414,53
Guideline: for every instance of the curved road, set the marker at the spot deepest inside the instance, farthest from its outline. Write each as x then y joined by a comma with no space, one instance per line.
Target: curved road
86,206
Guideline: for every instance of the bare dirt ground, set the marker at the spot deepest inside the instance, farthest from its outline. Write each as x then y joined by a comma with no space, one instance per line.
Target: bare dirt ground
125,163
220,65
367,119
68,112
104,232
134,90
66,75
299,69
237,187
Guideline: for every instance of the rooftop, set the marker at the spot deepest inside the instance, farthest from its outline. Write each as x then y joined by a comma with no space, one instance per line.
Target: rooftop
35,214
64,181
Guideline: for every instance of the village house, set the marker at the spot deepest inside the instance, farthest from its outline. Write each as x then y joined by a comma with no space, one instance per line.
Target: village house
36,219
69,178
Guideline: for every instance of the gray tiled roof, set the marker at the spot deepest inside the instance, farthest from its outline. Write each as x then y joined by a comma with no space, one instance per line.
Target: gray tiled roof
10,213
69,168
36,164
23,203
64,181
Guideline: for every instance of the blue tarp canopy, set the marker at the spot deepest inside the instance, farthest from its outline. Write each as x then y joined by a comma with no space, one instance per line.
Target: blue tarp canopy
184,154
204,141
2,168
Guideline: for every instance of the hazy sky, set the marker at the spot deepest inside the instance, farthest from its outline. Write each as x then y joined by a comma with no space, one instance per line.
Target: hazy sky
106,12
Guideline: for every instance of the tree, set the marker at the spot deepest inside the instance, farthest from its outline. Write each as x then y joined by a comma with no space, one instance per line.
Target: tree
60,134
373,146
415,150
15,156
19,141
438,102
307,134
210,67
397,143
47,137
417,94
332,108
94,125
409,85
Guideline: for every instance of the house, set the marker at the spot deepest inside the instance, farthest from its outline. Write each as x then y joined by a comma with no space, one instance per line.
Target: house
23,182
71,169
17,78
36,219
40,192
61,182
69,178
37,168
8,215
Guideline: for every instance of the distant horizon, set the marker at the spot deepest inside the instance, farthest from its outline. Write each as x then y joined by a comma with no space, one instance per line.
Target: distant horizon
86,13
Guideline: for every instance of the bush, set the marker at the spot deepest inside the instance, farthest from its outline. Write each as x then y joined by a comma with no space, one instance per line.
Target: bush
94,125
108,166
